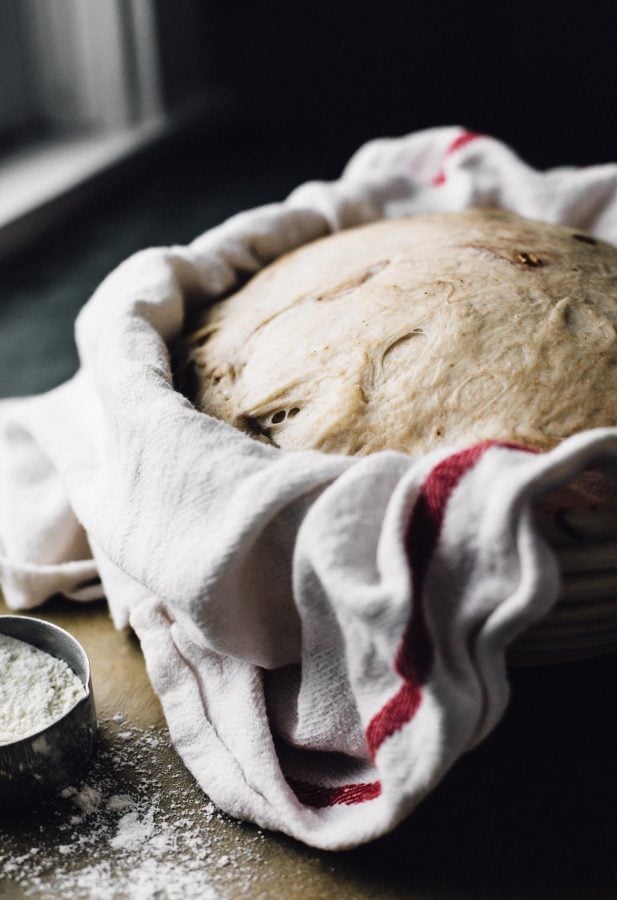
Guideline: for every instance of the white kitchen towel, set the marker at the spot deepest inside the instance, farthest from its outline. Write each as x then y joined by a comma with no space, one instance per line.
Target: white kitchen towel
326,634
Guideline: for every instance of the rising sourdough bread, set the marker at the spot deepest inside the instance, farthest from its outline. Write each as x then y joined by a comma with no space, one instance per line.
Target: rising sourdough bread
407,334
441,329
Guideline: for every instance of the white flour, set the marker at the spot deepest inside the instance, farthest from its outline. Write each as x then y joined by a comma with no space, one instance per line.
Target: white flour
36,689
137,828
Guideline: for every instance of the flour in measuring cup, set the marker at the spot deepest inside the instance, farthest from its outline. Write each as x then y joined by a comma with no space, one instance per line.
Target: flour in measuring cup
36,689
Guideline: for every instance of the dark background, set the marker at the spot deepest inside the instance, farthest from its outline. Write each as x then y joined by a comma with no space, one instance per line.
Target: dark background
333,75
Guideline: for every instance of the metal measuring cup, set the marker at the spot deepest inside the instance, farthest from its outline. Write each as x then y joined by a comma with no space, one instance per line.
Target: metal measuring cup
47,761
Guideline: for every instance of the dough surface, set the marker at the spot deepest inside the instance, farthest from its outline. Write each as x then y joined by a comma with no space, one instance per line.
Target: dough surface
408,334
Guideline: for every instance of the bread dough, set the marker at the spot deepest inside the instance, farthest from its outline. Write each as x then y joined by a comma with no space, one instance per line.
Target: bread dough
413,333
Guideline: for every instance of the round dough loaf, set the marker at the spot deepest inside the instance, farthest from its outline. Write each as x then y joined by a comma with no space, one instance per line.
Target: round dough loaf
412,333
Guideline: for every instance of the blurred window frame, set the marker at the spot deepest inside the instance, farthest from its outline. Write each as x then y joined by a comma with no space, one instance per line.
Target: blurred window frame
86,65
80,92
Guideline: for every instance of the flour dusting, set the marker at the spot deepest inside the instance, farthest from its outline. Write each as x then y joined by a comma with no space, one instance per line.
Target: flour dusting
136,828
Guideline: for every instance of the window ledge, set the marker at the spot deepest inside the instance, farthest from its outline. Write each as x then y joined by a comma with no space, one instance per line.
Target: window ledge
41,184
40,173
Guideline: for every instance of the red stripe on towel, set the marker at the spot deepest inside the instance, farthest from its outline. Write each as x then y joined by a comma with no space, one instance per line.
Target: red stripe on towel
320,796
415,654
414,657
466,137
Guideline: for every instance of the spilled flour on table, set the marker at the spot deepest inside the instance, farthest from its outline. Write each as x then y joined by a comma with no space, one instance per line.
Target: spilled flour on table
136,827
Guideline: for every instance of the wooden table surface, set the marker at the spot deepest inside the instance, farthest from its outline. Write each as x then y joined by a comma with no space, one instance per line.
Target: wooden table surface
530,813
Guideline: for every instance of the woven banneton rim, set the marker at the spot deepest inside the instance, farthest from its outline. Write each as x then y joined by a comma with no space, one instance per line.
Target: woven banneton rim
580,524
